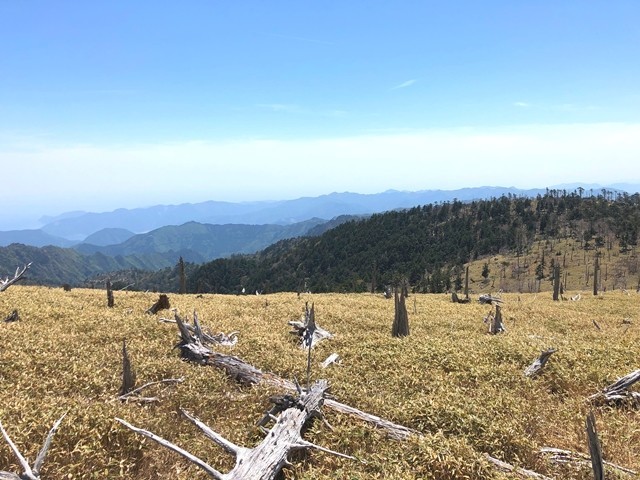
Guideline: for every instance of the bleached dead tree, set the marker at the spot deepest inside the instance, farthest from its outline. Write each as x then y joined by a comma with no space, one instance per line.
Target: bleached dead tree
495,321
28,472
205,335
266,460
308,330
6,283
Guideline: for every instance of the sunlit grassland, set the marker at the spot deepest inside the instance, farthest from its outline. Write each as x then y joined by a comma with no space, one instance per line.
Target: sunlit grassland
461,387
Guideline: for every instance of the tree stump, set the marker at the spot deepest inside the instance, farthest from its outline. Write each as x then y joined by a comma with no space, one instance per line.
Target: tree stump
161,304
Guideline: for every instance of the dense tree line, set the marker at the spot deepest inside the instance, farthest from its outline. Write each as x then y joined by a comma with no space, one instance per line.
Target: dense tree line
425,245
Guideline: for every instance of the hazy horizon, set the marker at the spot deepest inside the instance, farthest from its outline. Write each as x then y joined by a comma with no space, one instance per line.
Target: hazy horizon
124,105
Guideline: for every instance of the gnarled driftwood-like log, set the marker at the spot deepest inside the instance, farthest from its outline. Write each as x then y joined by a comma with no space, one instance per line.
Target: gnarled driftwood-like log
204,335
456,299
28,472
489,299
264,461
619,390
539,363
6,283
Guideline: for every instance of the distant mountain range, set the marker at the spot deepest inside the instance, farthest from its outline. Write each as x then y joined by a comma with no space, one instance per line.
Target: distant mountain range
155,237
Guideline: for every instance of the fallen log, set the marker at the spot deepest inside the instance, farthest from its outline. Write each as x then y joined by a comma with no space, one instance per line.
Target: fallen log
522,472
244,372
489,299
28,472
6,283
12,317
539,363
560,456
619,390
266,460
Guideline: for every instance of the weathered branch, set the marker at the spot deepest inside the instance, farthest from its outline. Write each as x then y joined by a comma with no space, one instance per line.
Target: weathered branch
558,455
264,461
6,283
523,472
333,358
489,299
205,335
539,362
619,390
165,443
28,472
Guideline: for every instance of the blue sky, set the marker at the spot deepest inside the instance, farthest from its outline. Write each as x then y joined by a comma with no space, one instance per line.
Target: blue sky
124,104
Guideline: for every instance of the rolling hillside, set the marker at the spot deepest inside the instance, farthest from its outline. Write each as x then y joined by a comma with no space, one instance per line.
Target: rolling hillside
428,246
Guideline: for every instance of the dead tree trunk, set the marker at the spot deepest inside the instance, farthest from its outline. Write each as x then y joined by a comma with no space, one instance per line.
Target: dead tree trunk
594,448
183,277
266,460
161,304
596,274
556,283
110,301
539,363
495,322
6,283
28,472
466,283
400,327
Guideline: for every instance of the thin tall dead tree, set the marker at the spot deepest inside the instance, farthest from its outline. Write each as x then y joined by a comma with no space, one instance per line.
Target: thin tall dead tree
110,301
19,275
556,283
466,283
596,274
400,327
183,277
28,472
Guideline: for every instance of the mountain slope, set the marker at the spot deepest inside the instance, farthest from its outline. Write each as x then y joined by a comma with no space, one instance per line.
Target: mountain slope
109,236
425,245
204,241
36,238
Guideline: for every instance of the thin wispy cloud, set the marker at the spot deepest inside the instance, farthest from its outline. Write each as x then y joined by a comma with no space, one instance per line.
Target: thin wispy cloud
406,84
521,104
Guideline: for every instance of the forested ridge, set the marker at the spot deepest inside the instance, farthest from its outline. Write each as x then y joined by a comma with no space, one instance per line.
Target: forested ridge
425,245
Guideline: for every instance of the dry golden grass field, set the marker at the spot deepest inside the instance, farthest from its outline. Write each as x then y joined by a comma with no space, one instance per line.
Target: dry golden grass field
462,388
